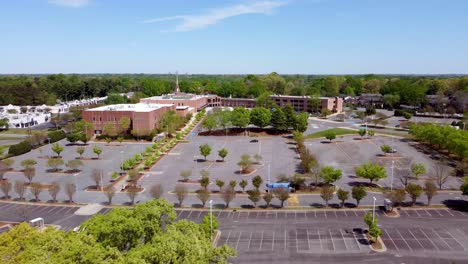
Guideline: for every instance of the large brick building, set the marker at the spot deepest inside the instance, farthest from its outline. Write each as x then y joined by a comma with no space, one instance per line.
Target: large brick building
143,117
195,102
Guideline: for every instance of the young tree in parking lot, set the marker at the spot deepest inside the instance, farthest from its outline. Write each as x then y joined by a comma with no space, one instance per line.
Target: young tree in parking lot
110,192
132,192
430,190
330,135
80,151
54,190
223,153
220,184
267,198
185,174
342,196
245,163
260,116
74,165
243,183
464,186
205,150
98,151
55,163
228,194
70,190
386,149
156,191
362,132
96,176
326,193
233,184
257,182
181,193
370,133
440,175
204,182
330,174
57,148
254,196
36,190
210,122
6,187
203,195
28,163
372,172
29,173
20,189
282,194
414,191
258,158
418,169
397,196
358,193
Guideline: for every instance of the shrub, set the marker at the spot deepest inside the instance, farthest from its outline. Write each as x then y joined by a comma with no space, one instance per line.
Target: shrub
20,148
57,135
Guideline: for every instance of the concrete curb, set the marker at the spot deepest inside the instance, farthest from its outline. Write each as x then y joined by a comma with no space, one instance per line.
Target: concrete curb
383,249
393,216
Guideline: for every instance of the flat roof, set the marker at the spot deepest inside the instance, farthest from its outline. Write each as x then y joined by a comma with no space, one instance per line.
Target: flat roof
181,96
139,107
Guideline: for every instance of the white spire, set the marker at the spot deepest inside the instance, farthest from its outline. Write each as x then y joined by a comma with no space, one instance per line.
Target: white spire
177,82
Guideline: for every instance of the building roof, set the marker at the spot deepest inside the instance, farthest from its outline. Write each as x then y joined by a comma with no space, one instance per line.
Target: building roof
178,96
140,107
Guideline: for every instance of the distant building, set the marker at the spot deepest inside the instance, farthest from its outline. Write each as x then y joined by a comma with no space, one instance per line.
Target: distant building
143,117
368,99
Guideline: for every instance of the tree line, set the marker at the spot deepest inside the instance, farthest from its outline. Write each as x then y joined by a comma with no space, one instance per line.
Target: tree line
410,90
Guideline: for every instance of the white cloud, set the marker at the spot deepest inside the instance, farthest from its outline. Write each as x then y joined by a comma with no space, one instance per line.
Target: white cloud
213,16
70,3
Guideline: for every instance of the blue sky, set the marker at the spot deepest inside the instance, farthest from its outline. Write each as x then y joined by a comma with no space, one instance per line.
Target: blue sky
234,36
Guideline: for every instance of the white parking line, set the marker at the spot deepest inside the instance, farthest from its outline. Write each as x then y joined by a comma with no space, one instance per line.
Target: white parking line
448,211
331,238
261,241
441,238
297,242
437,211
355,213
238,239
227,239
189,214
429,239
285,237
320,239
273,241
461,244
344,240
427,212
308,241
416,211
406,213
403,238
346,214
391,239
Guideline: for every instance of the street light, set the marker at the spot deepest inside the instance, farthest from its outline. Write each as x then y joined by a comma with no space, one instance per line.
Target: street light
373,211
391,183
211,217
269,173
121,160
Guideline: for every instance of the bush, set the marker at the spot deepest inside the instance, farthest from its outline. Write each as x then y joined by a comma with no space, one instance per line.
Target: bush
20,148
57,135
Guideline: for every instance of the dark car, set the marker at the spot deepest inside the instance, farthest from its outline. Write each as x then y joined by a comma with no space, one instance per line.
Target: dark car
254,141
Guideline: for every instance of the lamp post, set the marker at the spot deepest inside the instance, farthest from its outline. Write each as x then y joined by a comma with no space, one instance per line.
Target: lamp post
211,217
373,211
269,173
391,183
121,161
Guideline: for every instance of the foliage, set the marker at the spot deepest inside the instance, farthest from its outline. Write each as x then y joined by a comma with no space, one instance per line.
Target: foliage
80,151
282,194
185,174
267,198
97,150
260,116
279,119
327,194
228,194
28,163
397,196
204,182
20,148
74,164
203,195
240,117
205,150
414,191
243,183
370,171
362,132
57,148
210,122
56,135
418,169
245,162
223,153
220,184
430,189
330,174
254,196
358,193
55,163
330,135
156,191
464,186
342,196
336,131
257,182
386,148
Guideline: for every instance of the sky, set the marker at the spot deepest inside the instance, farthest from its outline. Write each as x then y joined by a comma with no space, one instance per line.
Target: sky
234,36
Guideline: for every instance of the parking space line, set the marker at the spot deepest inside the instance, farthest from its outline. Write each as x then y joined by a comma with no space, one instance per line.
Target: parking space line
308,240
427,213
437,211
297,242
346,214
453,237
429,239
344,240
238,239
285,237
391,240
229,235
406,213
355,213
416,211
325,213
435,231
261,241
448,211
331,238
320,239
403,238
273,241
219,212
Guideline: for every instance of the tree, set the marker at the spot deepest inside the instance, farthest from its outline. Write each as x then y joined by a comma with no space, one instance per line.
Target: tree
418,169
258,158
20,189
205,150
97,150
330,174
260,116
6,187
74,165
124,123
203,195
220,184
243,183
370,171
57,148
374,232
240,117
70,190
267,198
464,186
326,193
28,163
370,133
278,120
210,122
414,191
386,149
440,175
80,151
254,196
358,193
205,181
185,174
156,191
181,193
245,163
282,194
36,190
257,182
110,192
233,184
132,192
54,190
55,163
96,176
29,173
8,163
330,135
342,196
228,194
3,170
223,153
362,132
301,122
430,190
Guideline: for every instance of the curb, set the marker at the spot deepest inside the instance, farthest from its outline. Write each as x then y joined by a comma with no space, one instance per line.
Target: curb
393,216
216,238
384,248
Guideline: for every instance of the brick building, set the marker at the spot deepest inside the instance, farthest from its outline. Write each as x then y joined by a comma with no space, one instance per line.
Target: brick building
195,102
143,117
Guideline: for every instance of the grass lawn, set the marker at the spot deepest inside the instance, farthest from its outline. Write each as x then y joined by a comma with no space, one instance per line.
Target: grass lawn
15,131
338,132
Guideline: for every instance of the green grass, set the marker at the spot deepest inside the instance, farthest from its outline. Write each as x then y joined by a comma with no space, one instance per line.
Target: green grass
338,132
15,131
11,138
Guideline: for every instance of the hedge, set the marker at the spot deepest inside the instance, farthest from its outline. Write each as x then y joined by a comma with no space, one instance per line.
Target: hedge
56,135
20,148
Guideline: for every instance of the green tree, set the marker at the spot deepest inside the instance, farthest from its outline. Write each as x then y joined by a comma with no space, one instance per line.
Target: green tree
260,116
57,148
124,124
223,153
267,198
98,151
330,135
290,116
386,149
80,151
430,189
205,150
326,193
210,122
464,186
414,191
330,174
245,163
257,182
243,183
28,163
203,195
204,182
374,232
301,122
74,165
282,194
185,174
220,184
254,196
278,120
418,169
342,196
358,193
370,171
362,132
240,117
228,194
55,163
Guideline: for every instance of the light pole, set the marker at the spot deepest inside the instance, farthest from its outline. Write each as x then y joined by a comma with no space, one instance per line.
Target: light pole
391,183
373,211
269,173
211,217
121,161
102,183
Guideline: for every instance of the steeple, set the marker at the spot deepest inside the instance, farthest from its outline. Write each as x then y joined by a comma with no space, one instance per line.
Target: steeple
177,83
